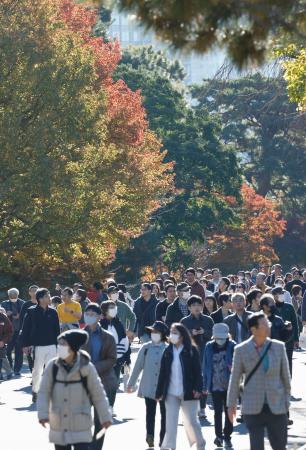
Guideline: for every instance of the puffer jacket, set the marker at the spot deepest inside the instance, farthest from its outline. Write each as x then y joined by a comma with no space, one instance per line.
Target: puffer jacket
67,406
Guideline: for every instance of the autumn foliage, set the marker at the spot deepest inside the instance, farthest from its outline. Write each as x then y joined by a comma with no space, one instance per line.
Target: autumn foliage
252,241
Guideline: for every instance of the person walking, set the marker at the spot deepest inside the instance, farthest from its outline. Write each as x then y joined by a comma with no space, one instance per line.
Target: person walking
69,387
69,312
200,327
144,310
195,286
24,310
266,392
101,346
124,312
13,307
225,309
217,366
40,330
179,308
148,363
162,306
180,385
6,333
237,322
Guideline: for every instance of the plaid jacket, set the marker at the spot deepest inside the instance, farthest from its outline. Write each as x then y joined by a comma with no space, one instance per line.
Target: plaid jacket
271,387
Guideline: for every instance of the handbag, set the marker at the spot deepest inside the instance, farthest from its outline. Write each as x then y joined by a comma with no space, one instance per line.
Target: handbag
259,362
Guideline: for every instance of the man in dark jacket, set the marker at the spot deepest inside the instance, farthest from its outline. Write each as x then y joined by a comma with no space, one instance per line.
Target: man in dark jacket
13,308
144,310
225,309
179,308
279,330
195,285
101,346
161,308
24,310
237,322
297,280
223,287
40,330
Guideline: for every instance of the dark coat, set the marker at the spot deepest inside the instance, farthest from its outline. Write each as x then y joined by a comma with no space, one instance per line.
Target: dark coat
161,310
204,322
6,329
146,318
191,368
232,323
40,327
278,329
174,313
217,316
108,359
287,313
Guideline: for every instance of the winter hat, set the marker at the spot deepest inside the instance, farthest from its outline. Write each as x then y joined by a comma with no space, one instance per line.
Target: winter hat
158,326
75,338
220,331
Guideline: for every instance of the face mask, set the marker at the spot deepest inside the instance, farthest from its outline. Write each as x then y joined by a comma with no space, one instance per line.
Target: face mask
13,300
281,298
220,342
114,297
186,295
90,320
199,275
272,309
174,338
278,285
112,312
155,338
63,351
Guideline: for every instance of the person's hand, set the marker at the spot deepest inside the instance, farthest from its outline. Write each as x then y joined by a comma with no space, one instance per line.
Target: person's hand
130,335
201,331
205,392
43,422
196,395
2,344
129,389
159,399
106,424
16,316
296,344
194,332
26,350
231,413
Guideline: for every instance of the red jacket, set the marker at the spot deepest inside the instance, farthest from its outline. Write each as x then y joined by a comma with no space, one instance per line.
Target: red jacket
197,289
6,328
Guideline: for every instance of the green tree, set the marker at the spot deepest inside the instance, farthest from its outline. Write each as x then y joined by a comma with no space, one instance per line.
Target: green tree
205,170
269,135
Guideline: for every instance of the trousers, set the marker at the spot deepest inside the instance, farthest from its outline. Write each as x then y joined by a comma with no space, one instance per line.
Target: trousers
219,402
96,444
82,446
43,354
5,365
276,425
151,405
191,422
15,344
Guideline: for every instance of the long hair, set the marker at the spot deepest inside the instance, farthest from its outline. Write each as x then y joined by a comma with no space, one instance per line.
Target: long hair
188,342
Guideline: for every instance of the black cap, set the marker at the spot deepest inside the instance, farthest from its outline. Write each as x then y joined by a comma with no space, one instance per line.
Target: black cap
183,286
158,326
277,290
113,288
75,338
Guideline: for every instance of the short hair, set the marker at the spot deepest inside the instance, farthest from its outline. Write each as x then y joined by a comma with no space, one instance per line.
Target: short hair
264,301
226,280
279,279
190,270
261,274
296,289
254,318
40,293
56,300
241,284
252,294
194,300
13,291
147,285
236,295
168,286
106,305
82,293
122,287
199,269
68,290
215,270
33,287
225,297
94,307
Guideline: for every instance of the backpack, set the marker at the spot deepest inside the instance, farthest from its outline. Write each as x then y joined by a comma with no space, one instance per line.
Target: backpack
82,380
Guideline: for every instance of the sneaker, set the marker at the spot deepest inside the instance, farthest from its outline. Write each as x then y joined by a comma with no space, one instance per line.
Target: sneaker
34,397
228,443
218,442
150,440
289,422
17,374
202,414
9,376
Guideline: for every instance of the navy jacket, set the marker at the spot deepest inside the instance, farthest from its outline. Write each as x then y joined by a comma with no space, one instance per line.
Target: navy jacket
174,313
208,362
191,368
146,318
204,322
40,327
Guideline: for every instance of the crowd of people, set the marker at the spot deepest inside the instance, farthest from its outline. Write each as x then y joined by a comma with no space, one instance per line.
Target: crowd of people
206,337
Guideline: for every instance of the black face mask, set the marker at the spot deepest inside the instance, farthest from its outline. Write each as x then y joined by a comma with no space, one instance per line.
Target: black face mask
272,309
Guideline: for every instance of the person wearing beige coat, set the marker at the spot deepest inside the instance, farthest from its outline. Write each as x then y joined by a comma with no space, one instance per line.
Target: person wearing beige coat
65,401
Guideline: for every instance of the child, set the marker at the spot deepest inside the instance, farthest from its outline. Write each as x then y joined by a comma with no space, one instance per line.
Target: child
218,359
6,333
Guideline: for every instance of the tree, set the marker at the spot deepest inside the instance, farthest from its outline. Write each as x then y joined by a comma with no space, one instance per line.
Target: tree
205,170
250,242
243,28
269,135
81,173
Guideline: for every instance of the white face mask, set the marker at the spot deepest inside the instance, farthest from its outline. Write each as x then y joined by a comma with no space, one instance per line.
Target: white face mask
281,298
155,338
13,300
199,275
220,342
112,312
114,297
90,320
279,285
186,295
174,338
63,351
